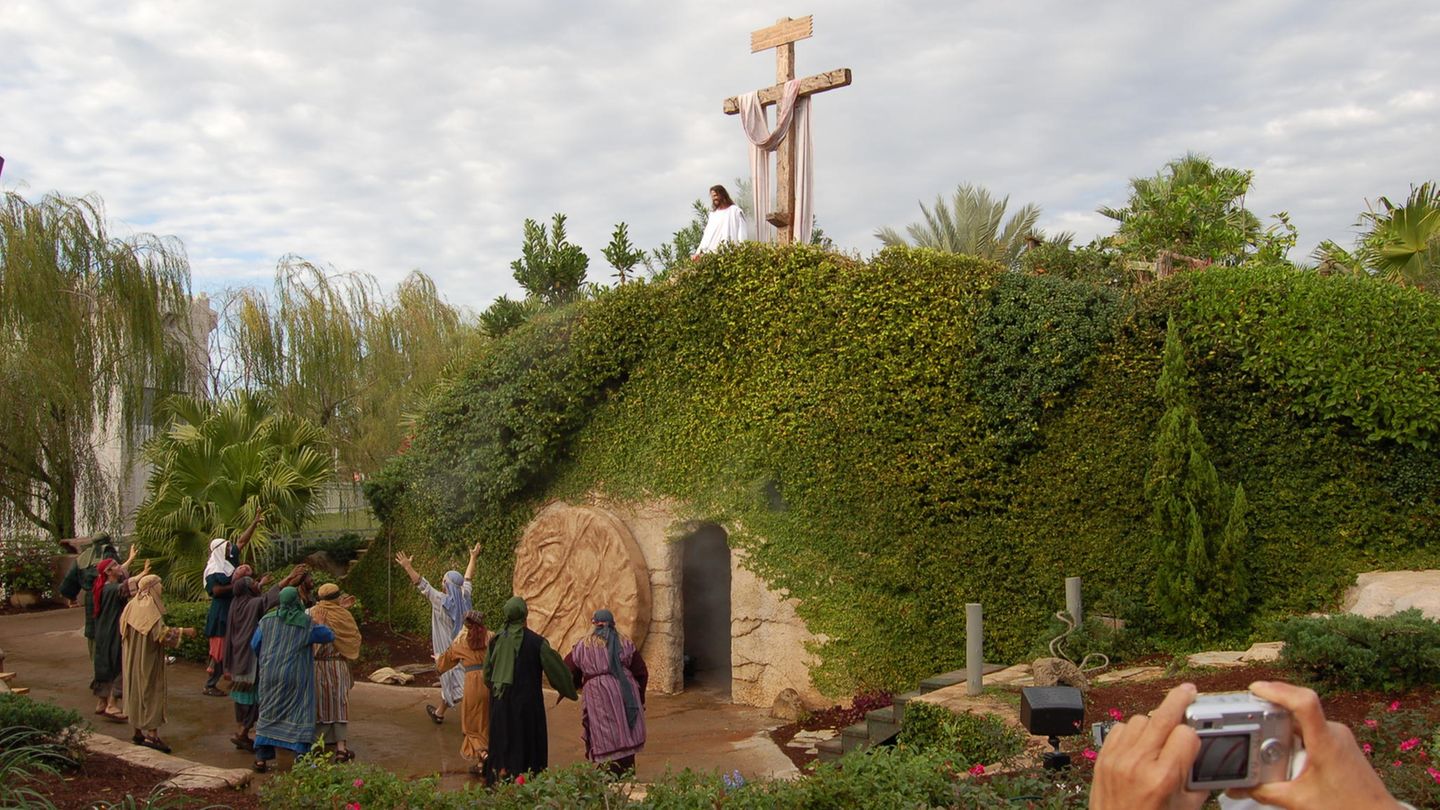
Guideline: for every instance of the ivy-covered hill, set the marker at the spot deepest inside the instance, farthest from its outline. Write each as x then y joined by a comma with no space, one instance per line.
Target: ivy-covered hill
893,438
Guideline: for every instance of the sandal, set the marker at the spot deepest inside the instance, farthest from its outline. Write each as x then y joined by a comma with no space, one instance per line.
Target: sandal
344,756
242,743
437,717
116,718
260,766
156,743
138,739
213,692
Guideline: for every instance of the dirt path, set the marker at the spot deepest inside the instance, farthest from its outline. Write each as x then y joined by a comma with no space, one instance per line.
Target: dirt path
389,726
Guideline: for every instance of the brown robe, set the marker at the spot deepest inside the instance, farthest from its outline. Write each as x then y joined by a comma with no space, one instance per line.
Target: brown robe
475,705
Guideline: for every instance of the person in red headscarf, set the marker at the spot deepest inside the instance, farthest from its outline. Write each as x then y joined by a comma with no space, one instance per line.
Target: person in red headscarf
111,591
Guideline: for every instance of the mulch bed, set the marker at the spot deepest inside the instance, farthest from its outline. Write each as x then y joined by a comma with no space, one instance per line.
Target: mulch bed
383,647
1349,708
105,780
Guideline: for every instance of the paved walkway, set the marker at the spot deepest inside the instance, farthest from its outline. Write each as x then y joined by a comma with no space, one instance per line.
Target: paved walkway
389,726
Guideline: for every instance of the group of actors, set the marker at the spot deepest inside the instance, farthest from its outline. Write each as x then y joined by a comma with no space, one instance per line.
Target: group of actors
495,680
287,647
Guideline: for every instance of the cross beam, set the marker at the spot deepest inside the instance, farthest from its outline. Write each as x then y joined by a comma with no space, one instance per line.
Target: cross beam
782,36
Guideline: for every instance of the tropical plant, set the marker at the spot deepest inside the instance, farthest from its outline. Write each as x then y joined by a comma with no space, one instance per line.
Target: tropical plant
332,349
1200,579
1195,209
214,466
974,224
550,268
90,326
1401,242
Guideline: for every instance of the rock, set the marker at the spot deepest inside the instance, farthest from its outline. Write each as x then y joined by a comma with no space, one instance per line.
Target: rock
1059,672
1383,593
1132,674
1263,651
809,739
788,706
1009,675
1217,658
321,561
388,675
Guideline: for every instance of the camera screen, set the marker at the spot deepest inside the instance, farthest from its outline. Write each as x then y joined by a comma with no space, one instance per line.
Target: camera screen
1223,758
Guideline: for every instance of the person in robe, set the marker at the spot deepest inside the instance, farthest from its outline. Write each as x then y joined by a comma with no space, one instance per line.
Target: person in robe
447,614
726,223
219,576
467,652
112,592
609,672
79,583
519,741
248,602
332,668
282,643
144,637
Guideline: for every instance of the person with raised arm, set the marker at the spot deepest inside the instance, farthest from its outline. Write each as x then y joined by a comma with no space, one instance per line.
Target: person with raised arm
447,615
219,576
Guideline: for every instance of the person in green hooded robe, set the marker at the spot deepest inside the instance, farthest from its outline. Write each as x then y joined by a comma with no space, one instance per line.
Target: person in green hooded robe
519,742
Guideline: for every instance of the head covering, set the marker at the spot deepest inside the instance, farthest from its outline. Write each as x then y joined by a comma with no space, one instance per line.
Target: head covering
329,613
475,632
218,564
456,603
290,611
100,570
99,547
605,629
246,605
500,662
144,610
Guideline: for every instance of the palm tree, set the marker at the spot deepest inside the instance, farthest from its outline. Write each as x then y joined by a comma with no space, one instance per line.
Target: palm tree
215,464
88,323
1192,208
974,223
1401,242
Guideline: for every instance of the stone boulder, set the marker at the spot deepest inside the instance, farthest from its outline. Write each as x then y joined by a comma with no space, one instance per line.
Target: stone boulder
788,706
1059,672
322,561
1383,593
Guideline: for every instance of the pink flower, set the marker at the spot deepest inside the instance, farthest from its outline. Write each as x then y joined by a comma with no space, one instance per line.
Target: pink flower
1409,744
1367,748
1395,764
977,770
1369,723
1089,753
353,806
1434,774
358,783
1117,715
1394,705
520,780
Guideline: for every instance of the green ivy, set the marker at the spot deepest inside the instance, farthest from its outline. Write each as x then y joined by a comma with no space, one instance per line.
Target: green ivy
854,425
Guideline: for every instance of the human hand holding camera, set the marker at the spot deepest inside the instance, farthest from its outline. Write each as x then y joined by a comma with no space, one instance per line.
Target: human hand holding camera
1145,760
1336,772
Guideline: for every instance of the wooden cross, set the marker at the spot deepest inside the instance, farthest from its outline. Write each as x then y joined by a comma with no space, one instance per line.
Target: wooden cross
782,36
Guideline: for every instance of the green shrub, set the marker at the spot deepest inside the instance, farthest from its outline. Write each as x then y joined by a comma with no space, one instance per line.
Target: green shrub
27,563
1403,745
190,614
1354,653
56,734
969,738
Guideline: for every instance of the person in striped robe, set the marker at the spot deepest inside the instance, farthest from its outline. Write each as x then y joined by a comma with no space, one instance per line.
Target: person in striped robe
282,641
332,668
611,675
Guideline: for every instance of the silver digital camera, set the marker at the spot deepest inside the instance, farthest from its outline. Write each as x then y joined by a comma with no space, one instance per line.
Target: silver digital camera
1244,741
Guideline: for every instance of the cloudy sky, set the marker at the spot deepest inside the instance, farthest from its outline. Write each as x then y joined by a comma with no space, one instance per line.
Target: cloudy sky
398,136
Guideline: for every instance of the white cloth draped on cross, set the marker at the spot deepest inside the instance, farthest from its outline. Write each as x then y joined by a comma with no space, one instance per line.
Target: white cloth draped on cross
763,141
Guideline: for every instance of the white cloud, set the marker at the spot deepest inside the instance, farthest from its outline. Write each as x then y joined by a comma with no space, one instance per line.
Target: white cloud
385,139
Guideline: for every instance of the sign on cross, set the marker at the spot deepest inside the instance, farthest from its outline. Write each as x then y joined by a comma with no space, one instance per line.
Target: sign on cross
782,36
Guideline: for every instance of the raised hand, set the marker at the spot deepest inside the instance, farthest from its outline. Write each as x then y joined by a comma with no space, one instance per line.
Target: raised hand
475,552
347,601
404,560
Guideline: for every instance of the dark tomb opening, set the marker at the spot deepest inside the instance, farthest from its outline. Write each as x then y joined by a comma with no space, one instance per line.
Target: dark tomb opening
705,600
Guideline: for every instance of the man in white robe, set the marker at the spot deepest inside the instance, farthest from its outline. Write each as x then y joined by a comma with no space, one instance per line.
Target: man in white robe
726,223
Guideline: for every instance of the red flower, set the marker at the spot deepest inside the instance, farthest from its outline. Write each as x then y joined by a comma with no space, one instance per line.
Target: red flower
1369,723
358,783
977,770
1409,744
520,780
1089,753
1434,774
1366,747
1117,715
1394,705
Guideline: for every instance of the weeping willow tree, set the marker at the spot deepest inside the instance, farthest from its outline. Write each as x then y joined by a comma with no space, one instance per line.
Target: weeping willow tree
333,349
88,324
214,464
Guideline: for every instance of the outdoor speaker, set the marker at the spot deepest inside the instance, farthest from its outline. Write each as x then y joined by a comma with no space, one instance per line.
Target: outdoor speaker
1052,711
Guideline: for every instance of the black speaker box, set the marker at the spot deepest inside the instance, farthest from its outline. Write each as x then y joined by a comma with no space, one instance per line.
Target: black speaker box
1047,711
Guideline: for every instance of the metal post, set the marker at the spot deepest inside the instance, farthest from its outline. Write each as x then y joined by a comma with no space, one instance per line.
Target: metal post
1072,599
974,648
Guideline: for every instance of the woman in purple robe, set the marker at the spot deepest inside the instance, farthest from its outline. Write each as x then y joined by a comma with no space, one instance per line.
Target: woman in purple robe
611,675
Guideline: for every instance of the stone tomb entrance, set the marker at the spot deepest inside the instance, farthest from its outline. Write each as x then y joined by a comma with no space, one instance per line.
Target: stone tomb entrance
705,601
677,590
